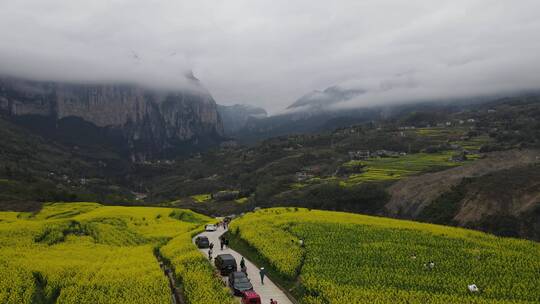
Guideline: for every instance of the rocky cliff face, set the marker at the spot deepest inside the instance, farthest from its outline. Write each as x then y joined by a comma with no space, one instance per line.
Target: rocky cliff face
151,122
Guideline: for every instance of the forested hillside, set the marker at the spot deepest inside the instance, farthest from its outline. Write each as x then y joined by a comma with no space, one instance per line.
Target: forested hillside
365,168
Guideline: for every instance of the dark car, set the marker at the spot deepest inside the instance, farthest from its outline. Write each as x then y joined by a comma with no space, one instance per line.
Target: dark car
239,283
225,263
202,242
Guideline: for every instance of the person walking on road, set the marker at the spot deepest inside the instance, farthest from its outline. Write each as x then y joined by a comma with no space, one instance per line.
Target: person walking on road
242,263
221,242
262,273
272,301
226,241
210,254
243,267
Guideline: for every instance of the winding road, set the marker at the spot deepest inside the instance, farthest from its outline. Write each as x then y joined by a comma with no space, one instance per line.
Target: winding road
267,291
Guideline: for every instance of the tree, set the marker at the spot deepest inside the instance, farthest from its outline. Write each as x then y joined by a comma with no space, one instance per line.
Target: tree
8,172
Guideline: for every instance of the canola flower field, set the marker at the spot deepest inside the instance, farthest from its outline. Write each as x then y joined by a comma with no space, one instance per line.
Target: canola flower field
89,253
351,258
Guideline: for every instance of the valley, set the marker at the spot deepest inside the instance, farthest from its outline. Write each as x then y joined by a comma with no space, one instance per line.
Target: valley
388,167
295,202
269,152
404,166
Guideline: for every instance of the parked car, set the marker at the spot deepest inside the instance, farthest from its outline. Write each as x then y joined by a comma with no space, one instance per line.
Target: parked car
239,283
202,242
250,297
225,263
210,227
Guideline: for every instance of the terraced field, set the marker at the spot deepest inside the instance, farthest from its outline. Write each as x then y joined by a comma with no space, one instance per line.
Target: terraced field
390,168
395,168
454,135
378,169
350,258
89,253
201,198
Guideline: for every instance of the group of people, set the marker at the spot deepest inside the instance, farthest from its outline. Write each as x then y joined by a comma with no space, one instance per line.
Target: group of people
429,265
210,250
262,274
300,242
243,267
224,224
223,242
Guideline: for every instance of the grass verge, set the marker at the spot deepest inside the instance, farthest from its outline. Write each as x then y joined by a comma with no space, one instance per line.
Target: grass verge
292,289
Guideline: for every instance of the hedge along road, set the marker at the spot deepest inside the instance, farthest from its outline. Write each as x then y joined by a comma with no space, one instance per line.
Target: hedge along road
267,291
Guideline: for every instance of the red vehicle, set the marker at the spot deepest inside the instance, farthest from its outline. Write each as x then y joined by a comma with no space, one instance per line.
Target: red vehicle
250,297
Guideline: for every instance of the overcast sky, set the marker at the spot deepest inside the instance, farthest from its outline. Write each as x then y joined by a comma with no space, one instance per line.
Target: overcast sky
269,53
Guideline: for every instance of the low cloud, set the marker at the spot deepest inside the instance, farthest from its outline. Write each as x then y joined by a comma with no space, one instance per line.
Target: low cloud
270,53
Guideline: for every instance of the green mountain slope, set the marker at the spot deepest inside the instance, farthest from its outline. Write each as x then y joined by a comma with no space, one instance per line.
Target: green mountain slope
33,169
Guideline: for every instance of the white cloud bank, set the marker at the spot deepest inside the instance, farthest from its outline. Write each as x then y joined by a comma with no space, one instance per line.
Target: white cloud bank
269,53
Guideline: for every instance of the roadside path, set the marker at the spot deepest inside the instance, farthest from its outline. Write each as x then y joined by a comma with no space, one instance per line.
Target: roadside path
176,294
267,291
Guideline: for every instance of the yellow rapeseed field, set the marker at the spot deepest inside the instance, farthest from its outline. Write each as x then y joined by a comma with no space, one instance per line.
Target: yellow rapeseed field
351,258
89,253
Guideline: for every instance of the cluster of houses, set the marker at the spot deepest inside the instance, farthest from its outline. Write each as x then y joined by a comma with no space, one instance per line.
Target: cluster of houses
443,124
347,131
140,196
366,154
159,162
293,147
460,157
226,195
303,176
307,173
359,155
460,122
68,180
229,144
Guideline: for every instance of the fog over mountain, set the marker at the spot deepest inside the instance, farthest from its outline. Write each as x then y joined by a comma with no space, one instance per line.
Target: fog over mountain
271,53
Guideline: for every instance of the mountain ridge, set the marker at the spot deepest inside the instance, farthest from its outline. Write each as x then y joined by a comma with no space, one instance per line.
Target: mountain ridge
320,100
151,122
